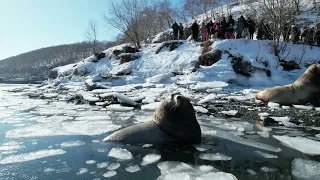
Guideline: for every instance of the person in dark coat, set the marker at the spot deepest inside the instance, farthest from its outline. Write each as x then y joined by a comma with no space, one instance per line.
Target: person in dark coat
286,32
231,21
209,27
181,33
223,26
252,28
195,31
175,28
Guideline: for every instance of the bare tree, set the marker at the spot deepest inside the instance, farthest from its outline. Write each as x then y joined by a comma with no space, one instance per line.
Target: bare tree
280,12
91,35
297,6
124,15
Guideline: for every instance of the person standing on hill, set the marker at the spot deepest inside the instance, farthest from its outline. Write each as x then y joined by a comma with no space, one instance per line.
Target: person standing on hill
240,27
181,33
223,25
209,27
230,21
260,30
175,28
252,28
195,31
216,27
203,30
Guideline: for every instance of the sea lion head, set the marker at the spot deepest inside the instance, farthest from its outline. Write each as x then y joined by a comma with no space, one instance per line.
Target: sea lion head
177,118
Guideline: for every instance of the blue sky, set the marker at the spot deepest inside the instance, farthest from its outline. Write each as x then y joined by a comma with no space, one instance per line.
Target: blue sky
32,24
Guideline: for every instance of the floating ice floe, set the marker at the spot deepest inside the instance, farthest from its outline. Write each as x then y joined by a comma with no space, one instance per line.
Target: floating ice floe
207,99
132,169
10,146
273,105
200,109
90,128
93,118
317,135
302,144
263,134
101,103
102,165
284,120
265,155
118,107
113,166
150,158
82,171
317,108
72,143
159,78
214,157
286,107
303,107
147,145
105,95
230,113
90,162
31,156
305,169
124,99
264,114
151,106
89,97
214,90
180,170
203,147
50,95
120,153
200,86
252,172
247,142
110,174
268,169
48,170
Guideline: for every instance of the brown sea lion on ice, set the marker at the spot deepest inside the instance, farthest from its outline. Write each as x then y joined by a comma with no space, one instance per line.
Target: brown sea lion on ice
174,121
306,89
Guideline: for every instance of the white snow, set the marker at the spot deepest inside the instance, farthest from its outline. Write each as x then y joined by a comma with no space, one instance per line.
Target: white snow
305,169
150,158
31,156
273,105
151,106
263,134
302,144
214,157
200,86
207,99
120,153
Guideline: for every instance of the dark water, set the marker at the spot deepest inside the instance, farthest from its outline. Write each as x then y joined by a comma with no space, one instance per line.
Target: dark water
67,165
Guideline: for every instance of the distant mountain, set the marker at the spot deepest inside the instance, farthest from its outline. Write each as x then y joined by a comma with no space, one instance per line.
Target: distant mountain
37,64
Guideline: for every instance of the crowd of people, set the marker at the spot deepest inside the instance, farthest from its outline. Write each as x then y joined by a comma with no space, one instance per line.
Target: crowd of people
245,28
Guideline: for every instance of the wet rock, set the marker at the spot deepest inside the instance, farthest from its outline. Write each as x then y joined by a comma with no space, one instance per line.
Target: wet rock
170,44
53,74
99,56
117,52
245,68
129,49
289,65
209,58
127,57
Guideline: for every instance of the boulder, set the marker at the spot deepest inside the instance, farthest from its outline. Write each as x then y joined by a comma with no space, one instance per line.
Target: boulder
127,57
246,68
289,65
209,58
53,74
170,44
117,52
129,49
99,56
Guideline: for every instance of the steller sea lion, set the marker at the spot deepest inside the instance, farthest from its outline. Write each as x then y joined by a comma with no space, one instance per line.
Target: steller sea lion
174,121
306,89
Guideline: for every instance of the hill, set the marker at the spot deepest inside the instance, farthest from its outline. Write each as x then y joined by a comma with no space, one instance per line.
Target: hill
37,64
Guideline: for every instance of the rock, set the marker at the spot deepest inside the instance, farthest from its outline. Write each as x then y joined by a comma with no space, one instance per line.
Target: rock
90,85
289,65
129,49
171,44
127,57
209,58
117,52
245,68
162,37
53,74
99,56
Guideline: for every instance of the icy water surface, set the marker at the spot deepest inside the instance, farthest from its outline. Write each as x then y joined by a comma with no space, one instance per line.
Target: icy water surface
50,139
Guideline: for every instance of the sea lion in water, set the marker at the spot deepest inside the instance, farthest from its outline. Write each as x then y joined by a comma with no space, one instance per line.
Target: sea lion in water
174,121
306,89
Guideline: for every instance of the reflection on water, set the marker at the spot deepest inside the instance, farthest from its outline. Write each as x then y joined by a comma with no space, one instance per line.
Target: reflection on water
45,139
